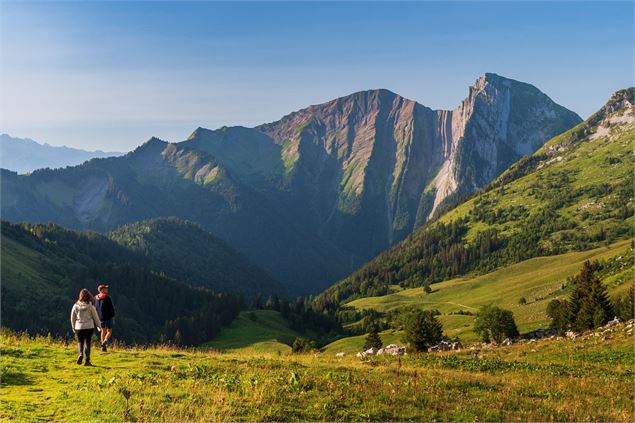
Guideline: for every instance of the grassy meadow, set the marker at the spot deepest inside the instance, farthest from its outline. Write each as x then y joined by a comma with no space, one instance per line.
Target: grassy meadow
257,331
538,280
565,380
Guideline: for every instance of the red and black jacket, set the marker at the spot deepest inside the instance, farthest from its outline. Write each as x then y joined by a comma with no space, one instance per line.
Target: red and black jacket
105,307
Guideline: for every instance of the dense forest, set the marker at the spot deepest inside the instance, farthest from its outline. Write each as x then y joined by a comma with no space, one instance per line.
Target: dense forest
45,266
186,252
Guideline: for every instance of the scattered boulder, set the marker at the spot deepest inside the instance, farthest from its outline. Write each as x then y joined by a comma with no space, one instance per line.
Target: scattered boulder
368,352
340,354
507,341
392,349
571,334
446,346
614,322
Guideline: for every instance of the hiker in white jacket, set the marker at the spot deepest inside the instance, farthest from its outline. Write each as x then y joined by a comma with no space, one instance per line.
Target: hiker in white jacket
84,320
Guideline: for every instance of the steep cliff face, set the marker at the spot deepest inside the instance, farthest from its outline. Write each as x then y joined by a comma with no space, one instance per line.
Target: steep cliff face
500,121
317,193
373,166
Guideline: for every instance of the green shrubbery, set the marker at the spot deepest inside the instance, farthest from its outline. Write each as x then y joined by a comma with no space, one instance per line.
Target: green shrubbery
495,324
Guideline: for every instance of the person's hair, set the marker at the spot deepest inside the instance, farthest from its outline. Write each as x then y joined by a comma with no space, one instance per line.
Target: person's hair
85,296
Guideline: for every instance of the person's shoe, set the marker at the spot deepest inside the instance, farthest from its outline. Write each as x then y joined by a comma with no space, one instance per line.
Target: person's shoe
88,363
79,359
103,347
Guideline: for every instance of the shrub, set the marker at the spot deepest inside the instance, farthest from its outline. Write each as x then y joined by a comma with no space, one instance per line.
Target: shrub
494,323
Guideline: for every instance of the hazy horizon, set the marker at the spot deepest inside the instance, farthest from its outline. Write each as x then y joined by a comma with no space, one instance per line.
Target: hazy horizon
108,76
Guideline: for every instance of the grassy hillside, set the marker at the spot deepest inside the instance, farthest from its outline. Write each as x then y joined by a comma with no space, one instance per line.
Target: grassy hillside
581,380
538,280
258,330
574,194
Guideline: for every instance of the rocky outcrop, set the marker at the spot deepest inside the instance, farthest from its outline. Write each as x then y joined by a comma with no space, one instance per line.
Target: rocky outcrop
373,166
314,195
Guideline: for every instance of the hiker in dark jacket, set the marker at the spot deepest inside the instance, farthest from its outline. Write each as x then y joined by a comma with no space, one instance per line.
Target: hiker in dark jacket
106,310
84,320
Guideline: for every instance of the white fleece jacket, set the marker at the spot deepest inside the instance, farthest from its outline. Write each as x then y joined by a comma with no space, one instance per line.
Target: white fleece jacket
84,316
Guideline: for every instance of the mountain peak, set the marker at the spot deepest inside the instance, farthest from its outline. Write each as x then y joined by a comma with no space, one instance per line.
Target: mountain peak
152,144
198,132
621,99
155,140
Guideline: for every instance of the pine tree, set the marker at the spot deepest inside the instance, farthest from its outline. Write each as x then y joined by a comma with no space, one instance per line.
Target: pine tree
557,311
422,330
373,340
582,282
596,308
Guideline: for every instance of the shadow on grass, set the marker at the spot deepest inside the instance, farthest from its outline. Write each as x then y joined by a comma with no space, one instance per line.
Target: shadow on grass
13,377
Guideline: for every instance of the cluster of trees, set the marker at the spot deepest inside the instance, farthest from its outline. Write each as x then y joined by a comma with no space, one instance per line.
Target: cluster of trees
302,317
421,330
589,305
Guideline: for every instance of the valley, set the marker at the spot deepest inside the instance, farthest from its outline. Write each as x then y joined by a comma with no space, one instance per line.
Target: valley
356,211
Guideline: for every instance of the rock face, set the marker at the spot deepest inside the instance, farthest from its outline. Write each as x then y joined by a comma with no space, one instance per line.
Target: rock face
373,166
317,193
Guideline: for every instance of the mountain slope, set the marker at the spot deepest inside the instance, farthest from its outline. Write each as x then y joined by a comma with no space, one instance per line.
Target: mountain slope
45,266
575,193
186,252
314,195
162,179
24,155
538,280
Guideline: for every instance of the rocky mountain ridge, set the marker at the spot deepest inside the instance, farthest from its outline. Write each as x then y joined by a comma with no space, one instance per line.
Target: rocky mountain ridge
314,195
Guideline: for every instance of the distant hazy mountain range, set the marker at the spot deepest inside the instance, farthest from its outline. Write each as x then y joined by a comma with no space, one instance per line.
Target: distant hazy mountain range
311,197
24,155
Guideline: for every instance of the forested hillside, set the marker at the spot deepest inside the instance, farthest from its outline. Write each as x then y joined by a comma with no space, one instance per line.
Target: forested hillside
45,266
186,252
575,193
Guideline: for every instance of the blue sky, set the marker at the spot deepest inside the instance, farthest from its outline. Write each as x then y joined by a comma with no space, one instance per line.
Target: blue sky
111,75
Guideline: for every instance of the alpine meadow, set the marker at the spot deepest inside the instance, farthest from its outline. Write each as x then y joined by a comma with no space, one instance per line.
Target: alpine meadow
329,249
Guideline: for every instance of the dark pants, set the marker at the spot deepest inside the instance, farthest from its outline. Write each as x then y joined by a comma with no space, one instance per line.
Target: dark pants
84,336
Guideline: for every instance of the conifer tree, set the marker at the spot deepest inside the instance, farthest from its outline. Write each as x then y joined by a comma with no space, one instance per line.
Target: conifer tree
373,340
596,308
589,304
